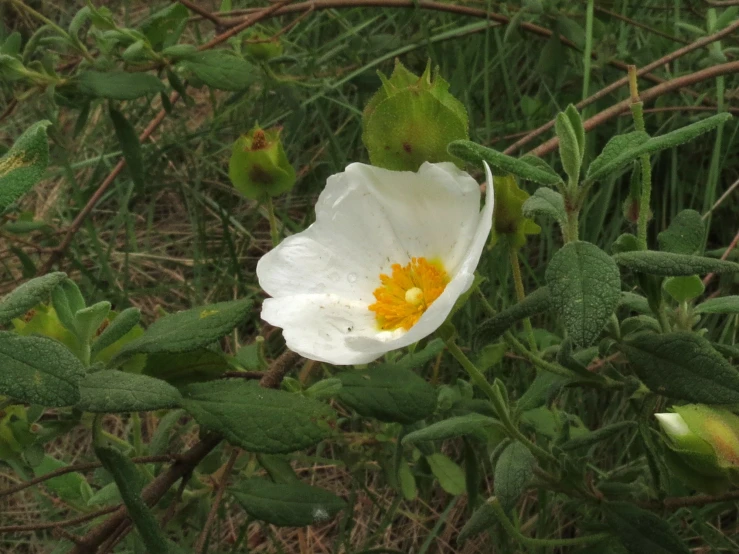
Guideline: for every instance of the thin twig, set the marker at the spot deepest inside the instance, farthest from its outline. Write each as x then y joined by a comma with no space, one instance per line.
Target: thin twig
669,58
708,278
687,501
649,94
80,467
200,544
263,13
202,12
56,524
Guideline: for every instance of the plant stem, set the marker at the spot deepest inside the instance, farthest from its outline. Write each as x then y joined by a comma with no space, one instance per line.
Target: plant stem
273,230
521,293
494,503
573,222
498,404
535,360
588,48
637,112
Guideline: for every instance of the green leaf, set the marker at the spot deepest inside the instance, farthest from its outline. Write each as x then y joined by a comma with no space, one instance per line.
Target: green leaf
482,519
684,235
669,264
186,368
387,393
448,473
24,164
28,295
723,305
116,330
612,158
287,504
417,359
684,366
513,473
569,149
190,329
220,69
164,27
491,329
113,391
130,146
69,487
325,388
625,243
642,532
591,439
541,390
89,320
407,481
520,167
585,287
459,426
631,149
128,479
39,370
635,302
67,301
683,289
258,419
546,202
118,85
576,121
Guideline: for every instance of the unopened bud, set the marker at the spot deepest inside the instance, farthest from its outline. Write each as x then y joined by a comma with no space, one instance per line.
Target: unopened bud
508,219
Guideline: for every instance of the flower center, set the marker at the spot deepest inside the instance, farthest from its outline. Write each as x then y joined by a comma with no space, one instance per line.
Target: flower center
406,294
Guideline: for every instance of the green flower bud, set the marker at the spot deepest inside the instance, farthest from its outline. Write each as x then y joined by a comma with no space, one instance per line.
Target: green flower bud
259,166
508,219
262,47
705,442
411,120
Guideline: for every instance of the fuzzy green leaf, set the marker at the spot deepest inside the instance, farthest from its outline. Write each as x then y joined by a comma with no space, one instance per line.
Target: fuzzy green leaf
118,85
576,121
287,504
113,391
459,426
683,289
569,148
387,393
258,419
513,472
489,330
130,146
28,295
24,164
585,287
635,302
612,157
118,328
684,235
520,167
591,439
683,366
723,305
39,370
669,264
128,479
185,368
89,320
642,532
190,329
220,69
546,202
448,473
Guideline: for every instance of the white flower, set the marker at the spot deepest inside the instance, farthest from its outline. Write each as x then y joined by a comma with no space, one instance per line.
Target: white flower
381,268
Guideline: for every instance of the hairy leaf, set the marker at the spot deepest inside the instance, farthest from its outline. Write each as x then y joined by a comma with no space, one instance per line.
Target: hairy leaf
28,295
684,235
113,391
24,164
513,472
669,264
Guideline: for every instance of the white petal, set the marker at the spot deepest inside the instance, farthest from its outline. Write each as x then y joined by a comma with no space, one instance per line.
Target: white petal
432,213
316,326
673,424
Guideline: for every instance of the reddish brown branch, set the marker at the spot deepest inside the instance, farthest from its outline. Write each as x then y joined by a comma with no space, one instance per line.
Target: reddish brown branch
669,58
200,545
687,501
649,94
57,524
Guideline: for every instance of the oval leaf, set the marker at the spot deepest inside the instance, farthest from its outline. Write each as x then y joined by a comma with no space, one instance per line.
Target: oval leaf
39,370
669,264
459,426
683,366
258,419
118,85
30,293
387,393
546,202
287,504
684,235
585,287
113,391
24,164
449,474
220,69
723,305
513,472
189,330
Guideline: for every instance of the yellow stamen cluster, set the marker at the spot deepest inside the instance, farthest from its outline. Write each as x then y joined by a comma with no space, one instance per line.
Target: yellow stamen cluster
406,294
